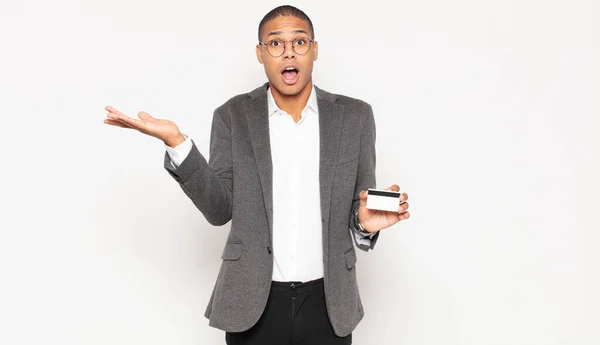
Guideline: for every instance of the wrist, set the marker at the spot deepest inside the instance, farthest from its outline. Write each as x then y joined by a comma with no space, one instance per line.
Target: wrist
359,225
175,141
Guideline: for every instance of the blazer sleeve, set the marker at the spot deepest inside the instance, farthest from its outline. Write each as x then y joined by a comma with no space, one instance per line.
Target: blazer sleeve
208,183
365,177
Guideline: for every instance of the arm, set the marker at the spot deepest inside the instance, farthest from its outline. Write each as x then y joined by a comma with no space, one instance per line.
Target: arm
208,184
365,179
364,221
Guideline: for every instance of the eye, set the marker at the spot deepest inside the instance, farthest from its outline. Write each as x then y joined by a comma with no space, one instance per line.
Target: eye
301,41
274,43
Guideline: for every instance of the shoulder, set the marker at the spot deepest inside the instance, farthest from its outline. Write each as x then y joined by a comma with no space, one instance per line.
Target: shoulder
356,108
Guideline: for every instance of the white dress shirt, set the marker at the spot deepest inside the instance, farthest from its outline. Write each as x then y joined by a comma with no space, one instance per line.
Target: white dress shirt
297,254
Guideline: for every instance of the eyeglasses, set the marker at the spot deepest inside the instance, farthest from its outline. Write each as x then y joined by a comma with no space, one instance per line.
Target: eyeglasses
276,47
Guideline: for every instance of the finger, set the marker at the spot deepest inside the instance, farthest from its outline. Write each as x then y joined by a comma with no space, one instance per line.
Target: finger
404,215
403,207
403,197
112,110
145,116
394,188
115,123
116,117
134,123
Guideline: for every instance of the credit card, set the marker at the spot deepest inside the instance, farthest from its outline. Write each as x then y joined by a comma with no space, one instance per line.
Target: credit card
384,200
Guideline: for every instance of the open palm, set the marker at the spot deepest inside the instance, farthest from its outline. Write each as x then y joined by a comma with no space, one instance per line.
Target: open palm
165,130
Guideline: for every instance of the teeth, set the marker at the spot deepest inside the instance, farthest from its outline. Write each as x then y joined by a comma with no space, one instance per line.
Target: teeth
290,69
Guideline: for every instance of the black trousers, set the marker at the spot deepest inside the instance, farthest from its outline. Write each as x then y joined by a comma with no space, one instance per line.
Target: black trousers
295,315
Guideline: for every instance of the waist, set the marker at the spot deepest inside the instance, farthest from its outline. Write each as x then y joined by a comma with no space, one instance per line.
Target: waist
296,285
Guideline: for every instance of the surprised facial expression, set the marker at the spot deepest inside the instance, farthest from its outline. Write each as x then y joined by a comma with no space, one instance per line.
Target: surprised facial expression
290,72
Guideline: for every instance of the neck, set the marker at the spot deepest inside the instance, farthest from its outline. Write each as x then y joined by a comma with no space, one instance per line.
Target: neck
292,104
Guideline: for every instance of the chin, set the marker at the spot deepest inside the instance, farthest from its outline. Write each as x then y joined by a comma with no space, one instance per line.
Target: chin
290,90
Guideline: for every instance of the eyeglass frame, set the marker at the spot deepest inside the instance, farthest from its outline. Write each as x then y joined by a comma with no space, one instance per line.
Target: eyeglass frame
310,41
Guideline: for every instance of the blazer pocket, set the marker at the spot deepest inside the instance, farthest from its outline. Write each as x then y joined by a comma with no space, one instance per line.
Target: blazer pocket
350,258
232,251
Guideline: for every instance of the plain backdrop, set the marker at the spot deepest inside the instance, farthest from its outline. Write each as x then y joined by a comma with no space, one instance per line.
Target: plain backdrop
486,113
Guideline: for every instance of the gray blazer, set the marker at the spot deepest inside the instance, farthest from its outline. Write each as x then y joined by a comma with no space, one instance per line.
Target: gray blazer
236,184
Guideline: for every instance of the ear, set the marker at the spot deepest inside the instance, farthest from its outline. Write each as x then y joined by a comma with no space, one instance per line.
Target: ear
259,54
315,50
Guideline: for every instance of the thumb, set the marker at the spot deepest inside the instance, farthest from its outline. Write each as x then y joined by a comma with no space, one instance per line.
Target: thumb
363,197
145,116
394,188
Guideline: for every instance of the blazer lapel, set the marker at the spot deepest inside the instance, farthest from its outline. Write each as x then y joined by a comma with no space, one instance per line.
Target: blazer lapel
257,118
330,130
330,125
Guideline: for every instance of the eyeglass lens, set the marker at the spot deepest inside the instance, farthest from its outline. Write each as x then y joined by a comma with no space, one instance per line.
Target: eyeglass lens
277,47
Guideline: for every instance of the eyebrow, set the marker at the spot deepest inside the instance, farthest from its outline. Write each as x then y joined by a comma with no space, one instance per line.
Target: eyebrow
300,31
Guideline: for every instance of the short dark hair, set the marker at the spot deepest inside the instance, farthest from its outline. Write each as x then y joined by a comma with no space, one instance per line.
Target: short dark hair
285,10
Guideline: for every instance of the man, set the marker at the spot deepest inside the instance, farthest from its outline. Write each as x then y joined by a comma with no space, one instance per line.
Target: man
289,166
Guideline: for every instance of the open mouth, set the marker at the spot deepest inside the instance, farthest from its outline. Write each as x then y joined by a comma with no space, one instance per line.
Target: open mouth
290,75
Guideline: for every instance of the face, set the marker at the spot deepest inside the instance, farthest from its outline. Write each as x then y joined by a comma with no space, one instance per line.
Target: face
290,73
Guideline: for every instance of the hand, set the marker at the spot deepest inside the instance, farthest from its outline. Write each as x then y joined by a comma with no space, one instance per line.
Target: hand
375,220
165,130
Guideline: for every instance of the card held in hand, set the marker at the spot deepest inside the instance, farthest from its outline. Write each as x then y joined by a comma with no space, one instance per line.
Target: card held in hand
384,200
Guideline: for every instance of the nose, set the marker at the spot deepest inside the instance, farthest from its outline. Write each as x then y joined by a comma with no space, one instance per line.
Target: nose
288,50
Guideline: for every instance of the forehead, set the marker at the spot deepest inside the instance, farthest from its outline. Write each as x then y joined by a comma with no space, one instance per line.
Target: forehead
285,26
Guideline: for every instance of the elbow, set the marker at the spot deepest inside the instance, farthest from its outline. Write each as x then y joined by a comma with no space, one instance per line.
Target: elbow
218,221
219,217
218,207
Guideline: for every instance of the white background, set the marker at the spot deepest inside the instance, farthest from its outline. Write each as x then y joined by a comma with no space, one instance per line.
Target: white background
486,113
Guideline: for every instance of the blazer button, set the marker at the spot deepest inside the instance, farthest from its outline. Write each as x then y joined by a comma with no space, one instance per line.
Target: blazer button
269,250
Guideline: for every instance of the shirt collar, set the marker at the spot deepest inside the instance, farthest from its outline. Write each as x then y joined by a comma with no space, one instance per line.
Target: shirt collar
311,103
